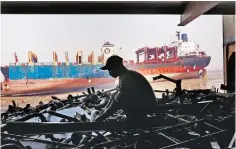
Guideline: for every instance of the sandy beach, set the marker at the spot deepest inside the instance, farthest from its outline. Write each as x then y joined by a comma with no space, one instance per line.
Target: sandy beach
35,86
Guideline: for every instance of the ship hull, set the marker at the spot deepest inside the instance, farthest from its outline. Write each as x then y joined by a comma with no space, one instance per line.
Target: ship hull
32,79
186,62
53,86
195,61
178,76
183,68
56,72
182,65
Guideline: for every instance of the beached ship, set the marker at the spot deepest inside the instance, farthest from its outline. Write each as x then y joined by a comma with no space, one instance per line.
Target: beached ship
180,59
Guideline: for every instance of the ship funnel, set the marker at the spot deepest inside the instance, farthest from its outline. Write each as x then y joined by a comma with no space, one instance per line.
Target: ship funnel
184,37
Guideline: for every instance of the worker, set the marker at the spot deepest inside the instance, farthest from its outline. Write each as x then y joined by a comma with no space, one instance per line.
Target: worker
134,95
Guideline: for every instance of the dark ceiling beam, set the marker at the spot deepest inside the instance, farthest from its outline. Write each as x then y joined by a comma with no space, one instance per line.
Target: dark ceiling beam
194,9
95,7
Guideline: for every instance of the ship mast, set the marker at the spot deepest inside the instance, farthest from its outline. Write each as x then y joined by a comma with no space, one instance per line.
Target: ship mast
178,34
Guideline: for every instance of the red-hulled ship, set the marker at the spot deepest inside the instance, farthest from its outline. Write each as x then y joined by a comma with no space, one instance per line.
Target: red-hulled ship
180,59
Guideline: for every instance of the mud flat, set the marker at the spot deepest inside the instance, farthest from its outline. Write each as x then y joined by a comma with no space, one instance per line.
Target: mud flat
54,85
63,92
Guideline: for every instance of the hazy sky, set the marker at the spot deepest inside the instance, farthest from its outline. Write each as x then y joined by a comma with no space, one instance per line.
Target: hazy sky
44,34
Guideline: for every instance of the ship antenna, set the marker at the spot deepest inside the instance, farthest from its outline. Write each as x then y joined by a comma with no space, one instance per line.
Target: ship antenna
178,34
120,51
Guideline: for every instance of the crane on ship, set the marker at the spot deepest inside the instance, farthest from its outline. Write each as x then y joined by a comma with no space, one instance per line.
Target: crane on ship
16,58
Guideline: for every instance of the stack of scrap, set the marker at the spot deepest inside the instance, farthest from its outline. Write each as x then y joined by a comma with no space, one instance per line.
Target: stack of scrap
186,119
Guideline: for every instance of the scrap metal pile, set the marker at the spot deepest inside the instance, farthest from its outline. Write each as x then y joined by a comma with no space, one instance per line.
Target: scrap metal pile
194,119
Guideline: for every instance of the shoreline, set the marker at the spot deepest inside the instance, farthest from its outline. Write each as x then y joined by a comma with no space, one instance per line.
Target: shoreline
190,84
48,86
57,86
211,79
35,99
53,86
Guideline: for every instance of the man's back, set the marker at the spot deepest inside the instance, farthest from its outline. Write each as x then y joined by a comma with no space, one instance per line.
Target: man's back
137,97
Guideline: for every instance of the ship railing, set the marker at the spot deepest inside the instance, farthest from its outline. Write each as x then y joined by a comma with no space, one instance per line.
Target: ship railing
86,63
17,64
12,64
44,64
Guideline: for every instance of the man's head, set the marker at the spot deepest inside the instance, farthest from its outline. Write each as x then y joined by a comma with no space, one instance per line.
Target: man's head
69,97
114,65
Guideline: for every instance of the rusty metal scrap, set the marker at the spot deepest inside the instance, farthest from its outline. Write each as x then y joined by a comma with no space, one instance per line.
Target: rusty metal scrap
185,119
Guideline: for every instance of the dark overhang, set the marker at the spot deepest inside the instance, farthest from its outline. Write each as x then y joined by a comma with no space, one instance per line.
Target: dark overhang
189,10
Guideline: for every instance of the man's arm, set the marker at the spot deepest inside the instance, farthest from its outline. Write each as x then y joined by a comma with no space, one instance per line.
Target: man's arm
102,104
113,107
117,100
